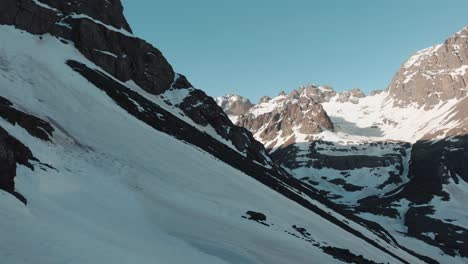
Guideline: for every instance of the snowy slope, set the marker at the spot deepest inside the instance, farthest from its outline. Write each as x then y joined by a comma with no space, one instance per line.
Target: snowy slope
118,190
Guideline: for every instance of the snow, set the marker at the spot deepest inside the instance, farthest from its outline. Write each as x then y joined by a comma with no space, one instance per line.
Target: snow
370,119
106,53
456,206
376,118
229,99
459,71
175,97
325,89
39,3
266,107
123,192
118,30
397,229
233,118
421,55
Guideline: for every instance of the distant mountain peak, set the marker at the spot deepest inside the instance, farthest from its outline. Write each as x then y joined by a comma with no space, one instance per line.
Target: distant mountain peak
434,75
462,32
234,104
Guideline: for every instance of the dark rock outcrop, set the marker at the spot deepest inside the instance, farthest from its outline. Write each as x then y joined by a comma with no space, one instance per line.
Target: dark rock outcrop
433,165
35,126
450,238
288,156
256,216
346,256
204,111
12,152
99,31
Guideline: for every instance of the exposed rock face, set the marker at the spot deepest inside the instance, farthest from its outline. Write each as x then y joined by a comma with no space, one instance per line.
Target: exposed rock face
264,99
160,119
435,164
351,96
319,94
318,160
233,104
99,30
375,92
12,151
438,174
203,110
281,119
35,126
277,122
435,74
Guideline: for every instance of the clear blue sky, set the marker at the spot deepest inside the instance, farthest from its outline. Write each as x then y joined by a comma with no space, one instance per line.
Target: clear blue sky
257,47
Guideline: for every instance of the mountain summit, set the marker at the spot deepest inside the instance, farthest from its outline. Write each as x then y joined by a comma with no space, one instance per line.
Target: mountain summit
434,75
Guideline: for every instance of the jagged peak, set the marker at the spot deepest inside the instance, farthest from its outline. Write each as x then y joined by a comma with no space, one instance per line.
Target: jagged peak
462,32
231,97
420,55
422,78
265,99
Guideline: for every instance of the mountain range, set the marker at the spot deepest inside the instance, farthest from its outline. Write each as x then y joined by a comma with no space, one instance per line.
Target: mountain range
396,157
107,155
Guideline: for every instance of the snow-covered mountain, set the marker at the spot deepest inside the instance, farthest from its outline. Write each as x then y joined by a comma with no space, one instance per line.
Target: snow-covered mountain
109,156
233,104
396,157
434,75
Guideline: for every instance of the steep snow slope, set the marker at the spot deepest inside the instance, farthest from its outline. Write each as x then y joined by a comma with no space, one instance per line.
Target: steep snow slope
117,190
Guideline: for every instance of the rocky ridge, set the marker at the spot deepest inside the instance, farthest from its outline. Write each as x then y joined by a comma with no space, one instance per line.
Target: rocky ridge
434,75
280,120
233,104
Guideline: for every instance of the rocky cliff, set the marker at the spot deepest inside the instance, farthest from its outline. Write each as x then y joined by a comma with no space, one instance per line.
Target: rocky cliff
434,75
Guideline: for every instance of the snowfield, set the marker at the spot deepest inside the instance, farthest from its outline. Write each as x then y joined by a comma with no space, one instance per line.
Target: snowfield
122,192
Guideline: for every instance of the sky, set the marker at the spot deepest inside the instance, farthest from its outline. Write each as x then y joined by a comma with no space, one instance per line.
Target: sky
257,47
